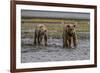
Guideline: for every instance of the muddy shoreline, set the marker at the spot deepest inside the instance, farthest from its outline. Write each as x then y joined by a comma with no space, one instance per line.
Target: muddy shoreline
54,51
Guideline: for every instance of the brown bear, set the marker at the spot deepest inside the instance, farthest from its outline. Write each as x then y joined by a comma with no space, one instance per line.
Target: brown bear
69,36
40,35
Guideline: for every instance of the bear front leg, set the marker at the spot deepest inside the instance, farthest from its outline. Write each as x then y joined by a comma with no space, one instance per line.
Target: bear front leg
45,39
63,42
69,42
74,41
35,37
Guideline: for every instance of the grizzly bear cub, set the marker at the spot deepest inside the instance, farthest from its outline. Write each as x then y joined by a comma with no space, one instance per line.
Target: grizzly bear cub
69,36
40,35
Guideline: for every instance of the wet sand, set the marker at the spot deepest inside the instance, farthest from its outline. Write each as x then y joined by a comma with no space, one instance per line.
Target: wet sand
54,51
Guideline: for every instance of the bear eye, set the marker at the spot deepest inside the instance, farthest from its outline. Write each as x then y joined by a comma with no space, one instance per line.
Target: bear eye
68,26
74,25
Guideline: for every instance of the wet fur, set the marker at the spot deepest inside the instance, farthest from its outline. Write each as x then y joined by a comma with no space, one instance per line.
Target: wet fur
69,36
40,35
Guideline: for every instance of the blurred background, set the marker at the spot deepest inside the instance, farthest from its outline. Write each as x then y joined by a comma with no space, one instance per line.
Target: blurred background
54,21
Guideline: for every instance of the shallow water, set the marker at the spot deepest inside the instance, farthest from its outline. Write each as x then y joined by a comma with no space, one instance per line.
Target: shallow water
54,51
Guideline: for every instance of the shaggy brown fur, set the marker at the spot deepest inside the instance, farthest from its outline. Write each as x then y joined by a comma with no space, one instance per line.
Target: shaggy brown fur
40,35
69,36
